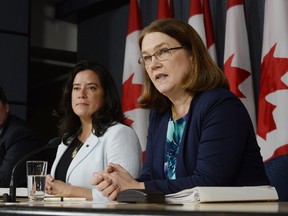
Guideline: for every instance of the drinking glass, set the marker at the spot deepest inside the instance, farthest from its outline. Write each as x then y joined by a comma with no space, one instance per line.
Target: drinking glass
36,180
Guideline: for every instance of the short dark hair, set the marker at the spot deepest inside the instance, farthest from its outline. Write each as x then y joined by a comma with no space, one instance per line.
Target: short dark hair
3,97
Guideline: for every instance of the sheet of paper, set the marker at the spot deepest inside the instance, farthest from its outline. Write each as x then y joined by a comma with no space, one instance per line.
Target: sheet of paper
224,194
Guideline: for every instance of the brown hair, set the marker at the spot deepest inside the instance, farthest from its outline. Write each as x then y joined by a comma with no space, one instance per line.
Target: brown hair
205,73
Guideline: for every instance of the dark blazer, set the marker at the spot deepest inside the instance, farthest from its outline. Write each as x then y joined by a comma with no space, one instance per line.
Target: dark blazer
218,147
16,140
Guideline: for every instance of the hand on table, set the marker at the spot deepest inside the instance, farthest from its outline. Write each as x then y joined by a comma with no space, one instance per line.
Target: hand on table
113,180
56,187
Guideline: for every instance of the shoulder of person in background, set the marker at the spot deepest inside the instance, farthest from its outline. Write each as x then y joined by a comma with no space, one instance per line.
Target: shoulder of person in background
20,128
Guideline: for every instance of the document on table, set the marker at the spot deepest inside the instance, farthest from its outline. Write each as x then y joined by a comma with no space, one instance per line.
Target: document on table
20,192
224,194
63,199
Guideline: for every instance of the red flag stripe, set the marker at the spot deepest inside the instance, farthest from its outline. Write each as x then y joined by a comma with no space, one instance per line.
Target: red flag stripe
232,3
208,24
195,7
134,24
164,10
171,9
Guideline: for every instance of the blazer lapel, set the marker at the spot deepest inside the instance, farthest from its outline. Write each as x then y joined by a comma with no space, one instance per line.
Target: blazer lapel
160,141
87,147
61,149
186,143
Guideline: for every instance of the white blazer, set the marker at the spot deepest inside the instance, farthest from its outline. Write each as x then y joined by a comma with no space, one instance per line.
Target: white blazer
119,144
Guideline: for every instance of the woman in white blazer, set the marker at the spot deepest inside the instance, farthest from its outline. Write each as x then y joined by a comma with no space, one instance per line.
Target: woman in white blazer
93,134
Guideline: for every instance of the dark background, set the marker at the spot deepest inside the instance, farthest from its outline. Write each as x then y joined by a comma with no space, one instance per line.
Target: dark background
33,75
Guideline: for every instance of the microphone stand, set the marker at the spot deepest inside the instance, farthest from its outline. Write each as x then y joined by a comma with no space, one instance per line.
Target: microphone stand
12,187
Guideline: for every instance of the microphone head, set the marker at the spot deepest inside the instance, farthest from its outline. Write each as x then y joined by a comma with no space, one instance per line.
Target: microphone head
54,142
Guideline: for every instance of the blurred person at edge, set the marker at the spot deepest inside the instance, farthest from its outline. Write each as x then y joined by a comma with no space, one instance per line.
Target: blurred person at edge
93,134
200,133
17,140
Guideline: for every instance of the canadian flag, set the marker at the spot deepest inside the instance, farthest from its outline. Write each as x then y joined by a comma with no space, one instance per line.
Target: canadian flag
165,9
237,65
272,128
201,20
133,76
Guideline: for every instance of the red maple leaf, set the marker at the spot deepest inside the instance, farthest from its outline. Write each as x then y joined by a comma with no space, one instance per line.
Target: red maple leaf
235,76
280,151
272,70
130,95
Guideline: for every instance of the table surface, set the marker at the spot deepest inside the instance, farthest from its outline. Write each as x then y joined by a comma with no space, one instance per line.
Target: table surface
22,207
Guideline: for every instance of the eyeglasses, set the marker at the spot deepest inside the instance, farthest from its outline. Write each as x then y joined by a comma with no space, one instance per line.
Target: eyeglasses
160,55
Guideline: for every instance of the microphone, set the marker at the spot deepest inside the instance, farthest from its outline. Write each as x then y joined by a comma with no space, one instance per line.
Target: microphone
53,143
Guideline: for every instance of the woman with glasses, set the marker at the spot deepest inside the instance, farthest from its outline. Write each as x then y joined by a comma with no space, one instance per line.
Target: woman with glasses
200,134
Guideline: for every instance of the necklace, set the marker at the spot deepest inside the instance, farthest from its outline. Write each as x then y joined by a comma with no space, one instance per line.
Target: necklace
74,153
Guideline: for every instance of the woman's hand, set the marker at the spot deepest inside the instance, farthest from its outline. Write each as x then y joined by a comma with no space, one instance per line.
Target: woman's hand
48,186
57,187
113,180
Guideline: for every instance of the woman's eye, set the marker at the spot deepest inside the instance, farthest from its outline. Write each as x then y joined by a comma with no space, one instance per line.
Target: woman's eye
164,51
146,58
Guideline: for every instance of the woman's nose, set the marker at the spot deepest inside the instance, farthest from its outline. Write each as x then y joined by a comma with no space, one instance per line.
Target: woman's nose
82,94
155,63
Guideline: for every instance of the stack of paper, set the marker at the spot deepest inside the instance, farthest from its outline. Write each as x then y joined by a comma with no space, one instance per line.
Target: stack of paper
224,194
